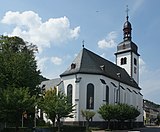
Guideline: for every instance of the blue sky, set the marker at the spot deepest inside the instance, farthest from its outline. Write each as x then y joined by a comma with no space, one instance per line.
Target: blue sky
58,28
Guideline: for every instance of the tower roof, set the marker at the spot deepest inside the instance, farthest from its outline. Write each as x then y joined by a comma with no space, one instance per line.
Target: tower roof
127,24
127,45
127,30
88,62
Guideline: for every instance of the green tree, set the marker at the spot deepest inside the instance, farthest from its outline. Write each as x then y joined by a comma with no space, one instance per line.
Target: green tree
120,112
88,115
14,102
108,112
55,105
18,65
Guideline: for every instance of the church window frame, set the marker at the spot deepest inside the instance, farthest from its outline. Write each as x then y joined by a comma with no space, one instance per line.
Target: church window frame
135,70
107,94
135,61
90,96
123,61
69,93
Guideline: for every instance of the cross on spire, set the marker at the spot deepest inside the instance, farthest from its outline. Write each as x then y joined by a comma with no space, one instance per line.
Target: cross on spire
83,43
127,10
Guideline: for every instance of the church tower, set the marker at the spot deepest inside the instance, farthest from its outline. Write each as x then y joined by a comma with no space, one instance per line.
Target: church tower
127,55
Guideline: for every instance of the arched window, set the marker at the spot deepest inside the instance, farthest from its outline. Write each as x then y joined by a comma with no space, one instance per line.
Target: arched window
123,61
90,96
69,93
135,61
107,95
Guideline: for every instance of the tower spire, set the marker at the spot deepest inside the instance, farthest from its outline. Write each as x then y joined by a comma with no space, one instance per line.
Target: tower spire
127,27
127,10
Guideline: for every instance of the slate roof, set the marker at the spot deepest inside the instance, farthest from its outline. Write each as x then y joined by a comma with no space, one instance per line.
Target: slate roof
126,46
88,62
51,83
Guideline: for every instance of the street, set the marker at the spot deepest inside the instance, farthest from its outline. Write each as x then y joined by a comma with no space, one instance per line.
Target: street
145,129
148,129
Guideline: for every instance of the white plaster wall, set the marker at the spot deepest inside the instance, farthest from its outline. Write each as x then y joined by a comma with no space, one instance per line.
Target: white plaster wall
127,66
130,57
66,81
80,89
98,93
135,75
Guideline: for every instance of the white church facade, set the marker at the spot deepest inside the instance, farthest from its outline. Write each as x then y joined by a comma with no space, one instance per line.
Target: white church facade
91,80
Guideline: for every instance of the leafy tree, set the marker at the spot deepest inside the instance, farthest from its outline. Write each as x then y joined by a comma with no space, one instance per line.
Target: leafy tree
55,105
108,112
13,103
123,112
133,113
119,112
88,115
18,65
126,112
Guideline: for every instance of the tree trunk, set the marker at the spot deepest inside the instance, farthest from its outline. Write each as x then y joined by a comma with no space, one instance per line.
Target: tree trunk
59,124
53,121
87,125
16,126
16,119
108,124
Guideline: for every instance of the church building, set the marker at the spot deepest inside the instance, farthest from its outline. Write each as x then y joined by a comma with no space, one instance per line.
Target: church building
91,80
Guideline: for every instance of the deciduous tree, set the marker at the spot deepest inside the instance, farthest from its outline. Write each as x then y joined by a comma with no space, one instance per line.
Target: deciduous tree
88,115
18,67
107,112
120,112
55,105
14,102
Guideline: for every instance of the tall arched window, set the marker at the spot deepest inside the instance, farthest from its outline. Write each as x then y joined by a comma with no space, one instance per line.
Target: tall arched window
69,93
90,96
107,95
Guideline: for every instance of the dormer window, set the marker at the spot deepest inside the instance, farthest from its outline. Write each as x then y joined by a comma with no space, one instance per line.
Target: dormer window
102,67
73,66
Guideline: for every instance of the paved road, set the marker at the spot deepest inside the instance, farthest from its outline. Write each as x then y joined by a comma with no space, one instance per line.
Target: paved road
148,129
145,129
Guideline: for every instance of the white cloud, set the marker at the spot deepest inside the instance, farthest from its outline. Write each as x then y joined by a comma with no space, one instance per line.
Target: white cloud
142,66
41,63
30,27
56,60
109,41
